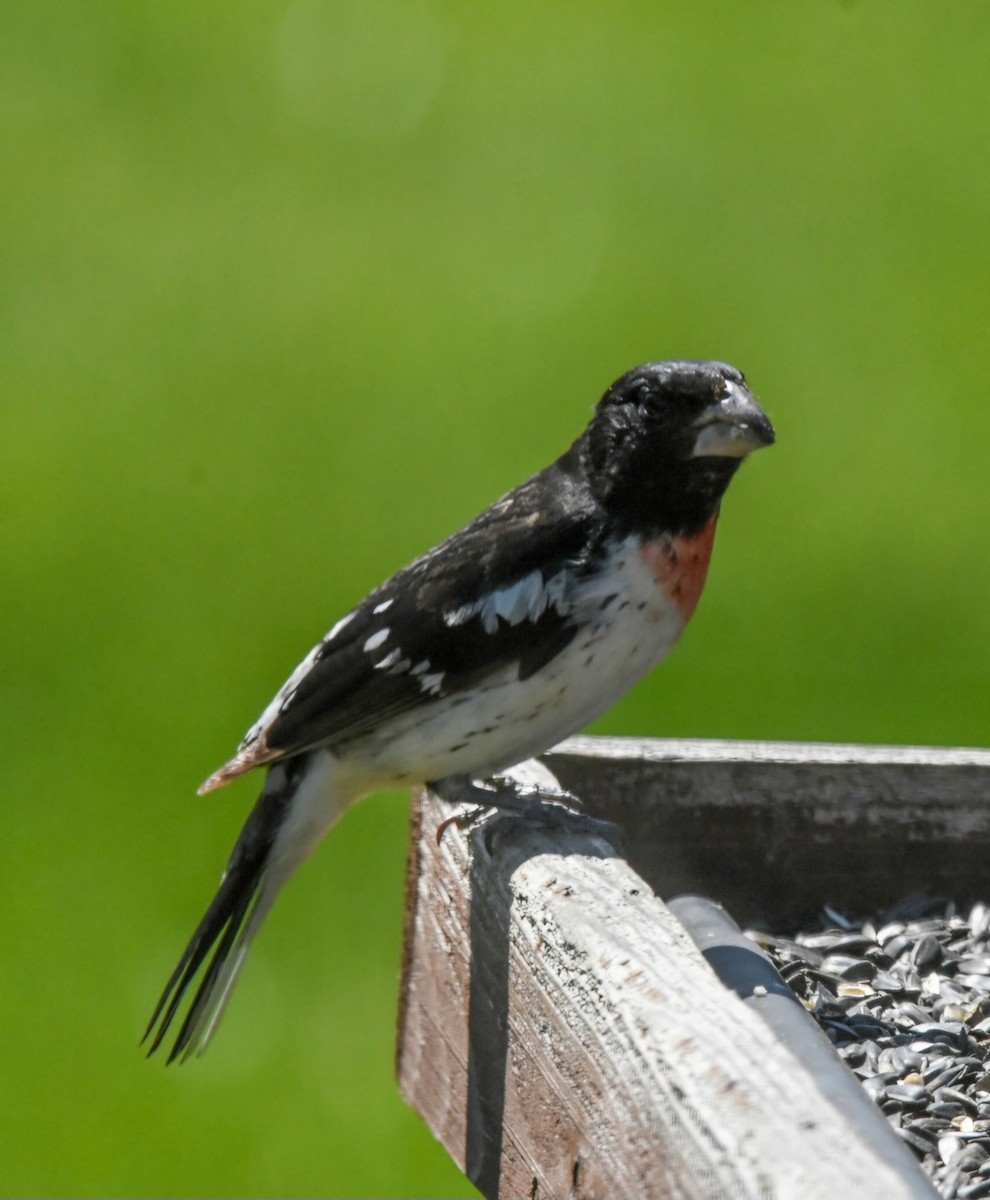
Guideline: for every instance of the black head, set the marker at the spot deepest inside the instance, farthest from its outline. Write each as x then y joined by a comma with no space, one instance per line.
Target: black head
666,440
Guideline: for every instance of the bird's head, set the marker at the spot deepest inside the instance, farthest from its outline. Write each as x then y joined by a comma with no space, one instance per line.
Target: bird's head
667,438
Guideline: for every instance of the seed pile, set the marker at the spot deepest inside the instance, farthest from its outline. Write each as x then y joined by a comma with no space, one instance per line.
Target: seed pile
905,1000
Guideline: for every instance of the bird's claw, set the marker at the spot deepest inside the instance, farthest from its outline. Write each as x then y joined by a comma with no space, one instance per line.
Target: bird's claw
463,820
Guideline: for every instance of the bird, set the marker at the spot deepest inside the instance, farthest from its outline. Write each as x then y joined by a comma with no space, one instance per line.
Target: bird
514,633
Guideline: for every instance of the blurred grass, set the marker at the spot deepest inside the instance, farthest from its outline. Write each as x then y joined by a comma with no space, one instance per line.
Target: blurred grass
287,292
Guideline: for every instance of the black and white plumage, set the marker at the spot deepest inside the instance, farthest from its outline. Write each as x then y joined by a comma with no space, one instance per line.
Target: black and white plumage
511,635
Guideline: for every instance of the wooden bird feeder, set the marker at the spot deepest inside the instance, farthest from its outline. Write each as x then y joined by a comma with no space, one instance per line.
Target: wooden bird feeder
576,1022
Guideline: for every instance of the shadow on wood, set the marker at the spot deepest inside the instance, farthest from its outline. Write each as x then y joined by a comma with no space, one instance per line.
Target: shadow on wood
488,1044
776,830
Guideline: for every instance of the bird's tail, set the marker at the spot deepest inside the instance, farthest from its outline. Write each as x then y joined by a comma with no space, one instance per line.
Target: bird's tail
295,810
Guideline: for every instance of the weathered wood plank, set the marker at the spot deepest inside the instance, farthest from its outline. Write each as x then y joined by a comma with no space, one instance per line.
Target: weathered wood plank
563,1037
745,968
776,830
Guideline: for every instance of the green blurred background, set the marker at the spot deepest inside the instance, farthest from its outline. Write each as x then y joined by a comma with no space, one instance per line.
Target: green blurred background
289,291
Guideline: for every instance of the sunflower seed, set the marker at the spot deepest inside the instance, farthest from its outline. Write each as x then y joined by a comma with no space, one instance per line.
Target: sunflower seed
905,999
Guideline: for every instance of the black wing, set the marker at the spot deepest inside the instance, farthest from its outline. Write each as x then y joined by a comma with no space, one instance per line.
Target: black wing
490,596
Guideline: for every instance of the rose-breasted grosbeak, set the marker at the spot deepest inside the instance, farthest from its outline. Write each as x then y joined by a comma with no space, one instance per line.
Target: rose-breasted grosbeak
509,636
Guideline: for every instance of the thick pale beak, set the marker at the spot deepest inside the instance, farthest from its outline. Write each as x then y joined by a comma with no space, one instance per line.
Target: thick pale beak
732,427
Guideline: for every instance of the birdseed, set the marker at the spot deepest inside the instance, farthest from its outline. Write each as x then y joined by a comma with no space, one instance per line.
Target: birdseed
905,1000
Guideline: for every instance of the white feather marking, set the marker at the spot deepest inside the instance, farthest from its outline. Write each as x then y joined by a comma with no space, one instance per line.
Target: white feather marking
376,640
282,697
339,626
458,616
431,683
380,608
389,660
420,667
525,600
555,591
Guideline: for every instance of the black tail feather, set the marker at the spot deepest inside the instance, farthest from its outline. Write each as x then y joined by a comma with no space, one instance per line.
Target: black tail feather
219,927
225,923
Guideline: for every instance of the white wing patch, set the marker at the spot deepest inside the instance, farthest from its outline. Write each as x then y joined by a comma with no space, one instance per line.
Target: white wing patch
430,684
394,663
380,608
376,640
525,600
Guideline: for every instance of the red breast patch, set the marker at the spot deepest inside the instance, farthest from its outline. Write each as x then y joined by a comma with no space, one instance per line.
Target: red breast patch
680,566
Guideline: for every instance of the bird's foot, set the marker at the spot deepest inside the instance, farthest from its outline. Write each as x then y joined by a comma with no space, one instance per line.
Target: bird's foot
518,795
530,793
